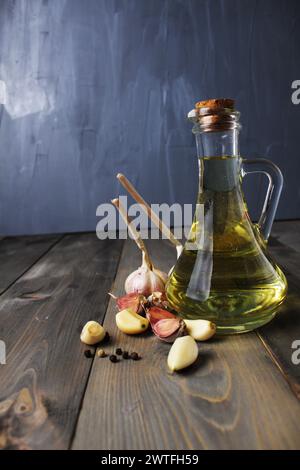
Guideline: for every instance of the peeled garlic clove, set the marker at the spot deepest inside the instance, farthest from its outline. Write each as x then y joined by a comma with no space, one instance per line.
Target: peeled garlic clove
92,333
200,330
166,327
183,353
130,322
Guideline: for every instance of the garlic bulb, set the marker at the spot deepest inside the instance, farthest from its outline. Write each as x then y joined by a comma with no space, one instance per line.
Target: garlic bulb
134,301
145,279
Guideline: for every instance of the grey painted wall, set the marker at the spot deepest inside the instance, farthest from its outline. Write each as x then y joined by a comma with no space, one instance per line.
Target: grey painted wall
99,86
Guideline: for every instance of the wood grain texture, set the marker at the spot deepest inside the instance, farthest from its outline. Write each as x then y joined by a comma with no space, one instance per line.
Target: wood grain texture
41,316
279,335
287,232
233,397
19,254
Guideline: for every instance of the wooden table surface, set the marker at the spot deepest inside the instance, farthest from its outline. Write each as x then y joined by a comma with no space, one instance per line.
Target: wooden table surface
242,393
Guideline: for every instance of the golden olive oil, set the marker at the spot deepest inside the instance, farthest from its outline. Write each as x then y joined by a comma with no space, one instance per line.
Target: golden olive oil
224,273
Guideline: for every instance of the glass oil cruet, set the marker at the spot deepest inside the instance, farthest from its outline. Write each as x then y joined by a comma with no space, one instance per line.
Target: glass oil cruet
224,273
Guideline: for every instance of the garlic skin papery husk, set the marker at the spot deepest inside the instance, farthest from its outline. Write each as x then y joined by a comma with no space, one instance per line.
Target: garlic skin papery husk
169,329
146,279
158,299
133,301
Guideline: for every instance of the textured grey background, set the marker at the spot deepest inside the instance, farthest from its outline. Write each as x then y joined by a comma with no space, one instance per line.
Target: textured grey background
99,86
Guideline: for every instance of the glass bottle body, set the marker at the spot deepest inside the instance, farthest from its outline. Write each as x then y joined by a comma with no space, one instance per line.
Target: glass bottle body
225,273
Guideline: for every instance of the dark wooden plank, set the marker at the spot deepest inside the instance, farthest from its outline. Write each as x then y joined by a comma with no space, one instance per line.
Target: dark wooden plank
279,335
287,232
41,315
18,254
231,398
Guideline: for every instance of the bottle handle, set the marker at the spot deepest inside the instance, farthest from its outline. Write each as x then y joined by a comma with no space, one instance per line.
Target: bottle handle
261,165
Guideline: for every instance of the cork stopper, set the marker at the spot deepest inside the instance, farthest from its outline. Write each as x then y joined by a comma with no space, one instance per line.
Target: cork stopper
216,114
216,103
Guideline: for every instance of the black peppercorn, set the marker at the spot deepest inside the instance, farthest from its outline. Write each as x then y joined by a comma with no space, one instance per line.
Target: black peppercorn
88,353
113,358
134,356
125,355
119,351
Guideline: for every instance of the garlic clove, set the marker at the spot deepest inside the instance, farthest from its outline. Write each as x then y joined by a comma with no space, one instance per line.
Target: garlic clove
183,353
154,314
92,333
130,322
200,330
168,330
166,327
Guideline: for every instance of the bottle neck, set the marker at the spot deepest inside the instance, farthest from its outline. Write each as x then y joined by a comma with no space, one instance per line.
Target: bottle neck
223,143
219,161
